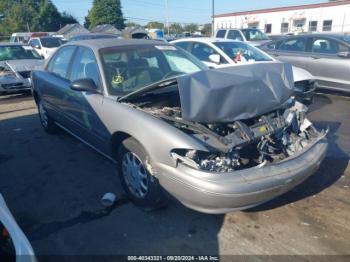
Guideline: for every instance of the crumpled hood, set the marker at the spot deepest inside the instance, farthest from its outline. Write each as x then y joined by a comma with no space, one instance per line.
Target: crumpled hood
24,64
235,93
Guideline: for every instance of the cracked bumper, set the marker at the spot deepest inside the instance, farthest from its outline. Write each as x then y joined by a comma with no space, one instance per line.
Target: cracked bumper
225,192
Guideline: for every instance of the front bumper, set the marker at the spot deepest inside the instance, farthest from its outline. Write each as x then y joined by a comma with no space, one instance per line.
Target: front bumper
226,192
15,86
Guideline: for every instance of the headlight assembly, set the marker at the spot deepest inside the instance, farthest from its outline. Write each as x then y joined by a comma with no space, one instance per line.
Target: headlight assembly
6,72
207,161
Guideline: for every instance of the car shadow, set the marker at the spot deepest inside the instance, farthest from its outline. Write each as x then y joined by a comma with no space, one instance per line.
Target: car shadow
53,185
331,169
320,101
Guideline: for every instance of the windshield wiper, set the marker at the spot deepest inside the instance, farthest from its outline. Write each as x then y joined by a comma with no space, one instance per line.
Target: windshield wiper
148,88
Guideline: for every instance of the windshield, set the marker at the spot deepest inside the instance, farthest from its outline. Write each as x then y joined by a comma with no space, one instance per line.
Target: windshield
50,42
131,69
18,52
254,35
247,52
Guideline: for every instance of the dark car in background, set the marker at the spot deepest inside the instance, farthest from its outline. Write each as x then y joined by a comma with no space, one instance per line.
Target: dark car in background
16,64
325,56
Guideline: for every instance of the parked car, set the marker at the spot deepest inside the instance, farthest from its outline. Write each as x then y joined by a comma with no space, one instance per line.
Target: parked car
217,140
14,245
326,56
45,46
217,53
90,36
251,35
24,37
16,63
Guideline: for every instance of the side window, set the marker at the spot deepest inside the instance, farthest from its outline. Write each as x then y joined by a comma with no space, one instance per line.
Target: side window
235,35
85,66
202,51
327,46
183,45
34,42
60,62
295,44
221,34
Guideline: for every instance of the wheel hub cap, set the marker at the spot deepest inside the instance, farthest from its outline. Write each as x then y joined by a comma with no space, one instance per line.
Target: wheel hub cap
135,175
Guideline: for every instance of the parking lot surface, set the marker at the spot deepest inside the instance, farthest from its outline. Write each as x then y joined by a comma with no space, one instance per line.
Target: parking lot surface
53,185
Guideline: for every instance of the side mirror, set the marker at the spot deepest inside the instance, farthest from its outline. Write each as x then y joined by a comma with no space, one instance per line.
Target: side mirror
345,54
37,46
84,85
215,58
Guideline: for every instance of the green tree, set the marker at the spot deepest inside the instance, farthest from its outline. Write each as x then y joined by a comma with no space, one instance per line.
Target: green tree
105,12
176,28
206,30
191,28
130,24
49,18
155,25
35,15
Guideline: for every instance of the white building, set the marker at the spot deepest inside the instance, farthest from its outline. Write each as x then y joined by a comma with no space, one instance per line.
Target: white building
331,16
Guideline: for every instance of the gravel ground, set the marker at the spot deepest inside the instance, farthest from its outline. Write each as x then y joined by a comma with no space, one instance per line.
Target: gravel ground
53,186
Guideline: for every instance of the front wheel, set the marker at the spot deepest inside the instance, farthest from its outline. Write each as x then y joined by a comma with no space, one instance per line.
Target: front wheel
141,187
46,121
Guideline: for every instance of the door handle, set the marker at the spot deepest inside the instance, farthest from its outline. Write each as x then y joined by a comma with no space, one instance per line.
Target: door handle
276,55
315,57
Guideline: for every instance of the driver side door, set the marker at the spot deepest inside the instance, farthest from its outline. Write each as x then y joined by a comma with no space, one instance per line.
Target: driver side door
84,108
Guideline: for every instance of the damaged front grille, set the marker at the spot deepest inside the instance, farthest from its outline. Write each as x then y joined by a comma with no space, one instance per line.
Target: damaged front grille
258,141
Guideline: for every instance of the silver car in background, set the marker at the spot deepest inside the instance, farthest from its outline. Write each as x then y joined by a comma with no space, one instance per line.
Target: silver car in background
252,36
325,56
16,64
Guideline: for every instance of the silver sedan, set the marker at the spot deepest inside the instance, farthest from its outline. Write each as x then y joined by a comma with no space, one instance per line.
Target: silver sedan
216,140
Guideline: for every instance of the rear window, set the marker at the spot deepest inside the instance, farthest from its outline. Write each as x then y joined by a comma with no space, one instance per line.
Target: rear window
221,34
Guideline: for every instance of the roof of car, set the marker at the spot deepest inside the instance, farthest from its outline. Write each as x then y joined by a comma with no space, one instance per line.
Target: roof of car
11,44
97,44
206,40
331,35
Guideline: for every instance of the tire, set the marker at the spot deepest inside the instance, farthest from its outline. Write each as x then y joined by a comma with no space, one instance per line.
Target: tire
46,121
141,187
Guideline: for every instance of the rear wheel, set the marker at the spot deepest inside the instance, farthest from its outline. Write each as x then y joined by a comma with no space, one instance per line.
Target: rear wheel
141,187
46,121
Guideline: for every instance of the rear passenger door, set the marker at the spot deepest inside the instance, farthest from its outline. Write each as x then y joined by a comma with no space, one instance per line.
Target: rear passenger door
55,85
325,64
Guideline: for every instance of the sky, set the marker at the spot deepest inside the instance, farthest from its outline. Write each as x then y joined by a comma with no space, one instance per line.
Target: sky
182,11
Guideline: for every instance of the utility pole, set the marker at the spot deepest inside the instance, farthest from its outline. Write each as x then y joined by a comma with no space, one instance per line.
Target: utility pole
167,16
213,21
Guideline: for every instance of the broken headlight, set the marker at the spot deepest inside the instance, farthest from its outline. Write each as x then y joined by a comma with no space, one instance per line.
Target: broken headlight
207,161
6,72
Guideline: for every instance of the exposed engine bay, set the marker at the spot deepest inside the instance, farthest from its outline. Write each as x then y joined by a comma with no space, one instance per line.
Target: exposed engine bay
241,144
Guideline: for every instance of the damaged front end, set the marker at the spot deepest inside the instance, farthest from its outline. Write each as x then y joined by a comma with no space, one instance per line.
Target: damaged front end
245,118
255,142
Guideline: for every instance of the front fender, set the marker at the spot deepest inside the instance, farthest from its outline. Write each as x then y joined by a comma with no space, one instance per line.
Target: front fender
156,136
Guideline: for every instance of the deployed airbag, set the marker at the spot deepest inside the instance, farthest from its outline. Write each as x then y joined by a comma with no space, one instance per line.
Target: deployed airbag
235,93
